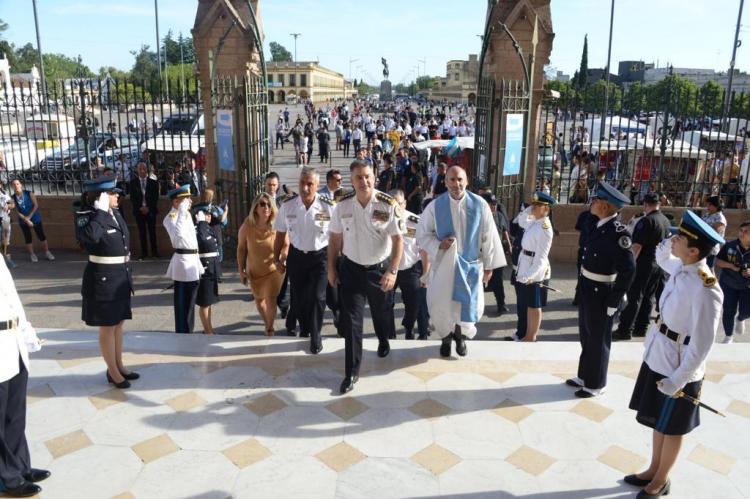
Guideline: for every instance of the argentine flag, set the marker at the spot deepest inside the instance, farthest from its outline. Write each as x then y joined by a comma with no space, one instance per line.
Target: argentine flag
452,149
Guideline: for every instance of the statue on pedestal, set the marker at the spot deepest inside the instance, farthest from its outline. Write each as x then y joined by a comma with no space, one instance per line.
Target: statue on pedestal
385,68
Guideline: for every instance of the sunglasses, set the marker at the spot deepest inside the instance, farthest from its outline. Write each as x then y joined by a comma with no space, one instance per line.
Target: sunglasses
337,179
264,205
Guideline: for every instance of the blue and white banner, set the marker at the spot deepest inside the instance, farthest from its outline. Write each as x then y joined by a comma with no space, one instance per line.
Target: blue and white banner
224,136
513,144
452,148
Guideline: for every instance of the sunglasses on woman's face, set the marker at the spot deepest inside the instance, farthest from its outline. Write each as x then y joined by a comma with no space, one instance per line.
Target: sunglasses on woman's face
264,205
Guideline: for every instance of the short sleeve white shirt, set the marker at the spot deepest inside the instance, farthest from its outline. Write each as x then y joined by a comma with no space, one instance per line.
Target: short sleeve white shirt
307,227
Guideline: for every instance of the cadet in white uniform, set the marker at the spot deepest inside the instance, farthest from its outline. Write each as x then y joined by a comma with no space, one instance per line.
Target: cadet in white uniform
534,269
676,348
366,228
305,217
17,339
185,267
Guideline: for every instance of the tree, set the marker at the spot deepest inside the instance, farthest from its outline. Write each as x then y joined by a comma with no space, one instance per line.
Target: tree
710,99
584,69
60,67
279,53
188,49
673,93
145,68
26,57
355,83
593,96
635,99
568,94
427,82
3,28
739,106
9,50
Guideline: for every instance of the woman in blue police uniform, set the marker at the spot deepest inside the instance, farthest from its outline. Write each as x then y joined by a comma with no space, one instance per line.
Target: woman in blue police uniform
533,273
676,348
208,252
107,281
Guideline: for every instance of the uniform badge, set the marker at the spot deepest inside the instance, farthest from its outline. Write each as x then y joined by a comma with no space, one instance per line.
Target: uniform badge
82,221
410,232
620,227
413,219
322,217
380,216
625,242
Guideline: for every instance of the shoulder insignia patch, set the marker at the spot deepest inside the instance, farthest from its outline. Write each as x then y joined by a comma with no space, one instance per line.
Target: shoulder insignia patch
707,277
289,197
348,195
82,219
327,200
414,218
173,214
625,242
619,227
386,198
546,225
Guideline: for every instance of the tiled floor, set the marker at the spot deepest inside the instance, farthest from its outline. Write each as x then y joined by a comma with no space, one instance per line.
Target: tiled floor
236,417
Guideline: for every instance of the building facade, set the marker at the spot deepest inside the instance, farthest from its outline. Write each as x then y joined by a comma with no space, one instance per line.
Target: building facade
460,82
740,81
294,81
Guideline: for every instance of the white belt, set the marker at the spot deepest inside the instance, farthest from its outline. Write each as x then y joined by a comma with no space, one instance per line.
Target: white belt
109,260
209,255
598,277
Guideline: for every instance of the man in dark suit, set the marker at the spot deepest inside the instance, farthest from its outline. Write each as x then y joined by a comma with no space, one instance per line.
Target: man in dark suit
144,196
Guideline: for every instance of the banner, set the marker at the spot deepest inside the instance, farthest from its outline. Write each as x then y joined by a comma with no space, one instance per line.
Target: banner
224,135
513,144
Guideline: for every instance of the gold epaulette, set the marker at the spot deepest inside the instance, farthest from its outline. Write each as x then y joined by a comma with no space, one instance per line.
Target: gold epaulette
546,225
414,219
386,198
708,278
289,197
348,195
325,199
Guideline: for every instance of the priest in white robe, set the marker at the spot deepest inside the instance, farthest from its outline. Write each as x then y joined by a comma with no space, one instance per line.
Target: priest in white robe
459,234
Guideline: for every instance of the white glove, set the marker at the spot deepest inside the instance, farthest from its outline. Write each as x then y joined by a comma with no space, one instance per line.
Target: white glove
200,216
103,202
184,205
667,387
33,344
611,311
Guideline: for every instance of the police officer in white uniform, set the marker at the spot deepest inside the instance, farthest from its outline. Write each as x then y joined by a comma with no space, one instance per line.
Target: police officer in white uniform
185,268
534,269
676,348
305,218
366,228
17,339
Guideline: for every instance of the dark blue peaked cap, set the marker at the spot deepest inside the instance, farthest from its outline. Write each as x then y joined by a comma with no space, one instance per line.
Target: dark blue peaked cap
611,195
179,192
540,197
694,227
102,184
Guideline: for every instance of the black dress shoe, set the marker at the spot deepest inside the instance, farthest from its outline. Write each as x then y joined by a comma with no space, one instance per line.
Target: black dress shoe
409,334
423,336
304,335
574,383
445,346
26,489
316,349
634,480
392,336
618,336
36,475
663,492
291,332
283,311
131,375
125,383
502,309
348,384
583,394
384,348
460,344
639,334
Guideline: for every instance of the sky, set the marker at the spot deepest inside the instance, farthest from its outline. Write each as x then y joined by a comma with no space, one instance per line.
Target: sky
685,33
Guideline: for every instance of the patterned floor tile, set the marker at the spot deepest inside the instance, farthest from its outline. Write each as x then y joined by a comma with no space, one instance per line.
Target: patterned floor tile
436,459
186,401
512,411
530,460
347,408
246,453
340,457
712,459
155,448
39,392
67,444
623,460
265,405
430,409
108,398
592,411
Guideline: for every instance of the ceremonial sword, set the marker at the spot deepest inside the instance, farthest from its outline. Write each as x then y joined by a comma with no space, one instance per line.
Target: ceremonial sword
699,403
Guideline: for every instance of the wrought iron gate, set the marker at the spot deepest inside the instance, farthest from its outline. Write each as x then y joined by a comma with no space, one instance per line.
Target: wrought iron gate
514,99
483,135
247,98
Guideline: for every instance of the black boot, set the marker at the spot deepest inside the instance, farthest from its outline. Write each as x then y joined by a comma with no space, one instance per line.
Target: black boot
460,343
445,346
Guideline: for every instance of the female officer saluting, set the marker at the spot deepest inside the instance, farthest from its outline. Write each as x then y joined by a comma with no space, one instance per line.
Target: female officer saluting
107,281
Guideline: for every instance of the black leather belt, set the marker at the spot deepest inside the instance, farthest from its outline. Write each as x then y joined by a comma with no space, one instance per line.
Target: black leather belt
312,252
672,335
10,324
365,267
529,253
181,251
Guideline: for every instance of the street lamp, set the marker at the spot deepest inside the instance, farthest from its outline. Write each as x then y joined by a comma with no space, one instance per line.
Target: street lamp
609,56
737,43
295,35
158,41
350,67
424,66
41,59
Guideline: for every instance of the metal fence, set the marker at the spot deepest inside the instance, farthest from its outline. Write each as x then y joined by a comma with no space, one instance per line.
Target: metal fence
681,145
84,126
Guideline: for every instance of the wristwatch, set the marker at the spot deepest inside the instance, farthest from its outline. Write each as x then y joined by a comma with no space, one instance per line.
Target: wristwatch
393,271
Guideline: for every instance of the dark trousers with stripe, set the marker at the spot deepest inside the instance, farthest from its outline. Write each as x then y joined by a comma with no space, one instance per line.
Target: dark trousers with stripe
185,294
360,284
595,332
496,286
14,451
521,311
307,280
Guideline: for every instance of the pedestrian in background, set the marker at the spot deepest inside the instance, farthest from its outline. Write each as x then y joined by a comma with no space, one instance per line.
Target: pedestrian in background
6,205
29,218
734,262
714,217
144,199
208,252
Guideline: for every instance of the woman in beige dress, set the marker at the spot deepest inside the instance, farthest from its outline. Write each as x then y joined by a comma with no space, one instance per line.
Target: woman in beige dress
255,258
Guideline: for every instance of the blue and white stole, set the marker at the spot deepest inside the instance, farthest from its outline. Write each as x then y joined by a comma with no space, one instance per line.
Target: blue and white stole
466,285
